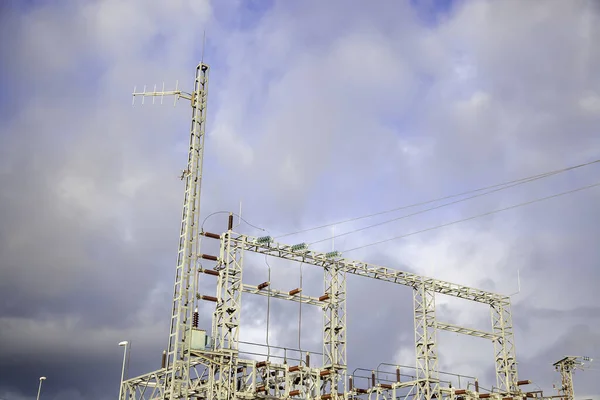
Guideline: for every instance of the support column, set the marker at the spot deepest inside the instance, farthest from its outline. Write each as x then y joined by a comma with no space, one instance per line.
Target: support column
504,347
334,327
178,349
226,319
425,341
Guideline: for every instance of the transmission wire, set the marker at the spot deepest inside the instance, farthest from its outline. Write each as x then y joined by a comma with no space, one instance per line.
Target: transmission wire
425,210
475,216
529,178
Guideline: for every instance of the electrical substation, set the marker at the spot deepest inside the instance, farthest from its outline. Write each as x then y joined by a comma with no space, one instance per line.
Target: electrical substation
208,364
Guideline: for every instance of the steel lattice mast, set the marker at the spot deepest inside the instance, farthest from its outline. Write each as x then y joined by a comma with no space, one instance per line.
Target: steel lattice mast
566,367
177,380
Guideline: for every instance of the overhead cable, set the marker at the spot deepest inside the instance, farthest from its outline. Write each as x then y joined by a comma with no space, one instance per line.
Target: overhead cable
473,217
512,182
421,211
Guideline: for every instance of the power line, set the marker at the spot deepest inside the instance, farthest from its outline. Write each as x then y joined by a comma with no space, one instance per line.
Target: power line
515,181
476,216
422,211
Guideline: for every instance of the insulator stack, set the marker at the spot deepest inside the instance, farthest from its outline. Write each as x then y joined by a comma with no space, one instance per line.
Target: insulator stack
350,386
308,359
230,222
195,318
324,297
211,235
163,361
397,374
294,291
373,378
476,385
211,272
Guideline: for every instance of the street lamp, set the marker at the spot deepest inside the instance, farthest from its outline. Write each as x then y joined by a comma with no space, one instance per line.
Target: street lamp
123,344
42,378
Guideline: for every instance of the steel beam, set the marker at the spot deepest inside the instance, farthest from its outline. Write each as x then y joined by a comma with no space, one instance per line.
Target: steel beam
367,270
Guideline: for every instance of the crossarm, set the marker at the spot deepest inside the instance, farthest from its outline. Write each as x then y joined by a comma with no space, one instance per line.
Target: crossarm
367,270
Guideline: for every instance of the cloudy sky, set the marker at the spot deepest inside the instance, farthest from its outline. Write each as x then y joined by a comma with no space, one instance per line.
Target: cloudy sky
318,112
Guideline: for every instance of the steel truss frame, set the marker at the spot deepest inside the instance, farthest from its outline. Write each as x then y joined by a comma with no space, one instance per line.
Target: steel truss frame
218,373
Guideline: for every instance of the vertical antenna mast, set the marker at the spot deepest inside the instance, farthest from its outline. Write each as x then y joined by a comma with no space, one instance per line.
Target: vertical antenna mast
177,380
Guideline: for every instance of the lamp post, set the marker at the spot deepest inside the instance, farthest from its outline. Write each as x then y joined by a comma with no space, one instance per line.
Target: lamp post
42,378
123,344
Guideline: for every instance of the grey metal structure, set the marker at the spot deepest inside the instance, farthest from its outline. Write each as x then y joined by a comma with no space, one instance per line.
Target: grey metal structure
178,350
212,367
566,366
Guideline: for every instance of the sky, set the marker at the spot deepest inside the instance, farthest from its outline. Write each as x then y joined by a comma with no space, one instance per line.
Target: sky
317,113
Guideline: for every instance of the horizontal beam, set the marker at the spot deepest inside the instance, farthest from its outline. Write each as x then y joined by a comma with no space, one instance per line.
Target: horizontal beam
367,270
277,294
466,331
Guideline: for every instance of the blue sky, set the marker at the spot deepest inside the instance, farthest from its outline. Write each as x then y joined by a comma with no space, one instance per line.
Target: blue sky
317,113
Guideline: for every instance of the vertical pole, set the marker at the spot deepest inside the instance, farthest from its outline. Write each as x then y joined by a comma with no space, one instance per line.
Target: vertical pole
42,378
226,319
428,385
123,372
504,348
334,327
178,349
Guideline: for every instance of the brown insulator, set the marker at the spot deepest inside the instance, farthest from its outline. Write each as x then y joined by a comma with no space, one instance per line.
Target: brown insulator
209,257
523,382
294,393
324,297
308,359
261,389
294,291
476,385
373,378
324,372
528,395
460,391
163,360
195,318
350,386
209,298
484,396
507,398
362,391
326,396
263,285
211,272
211,235
261,364
397,374
230,222
240,370
385,386
294,368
